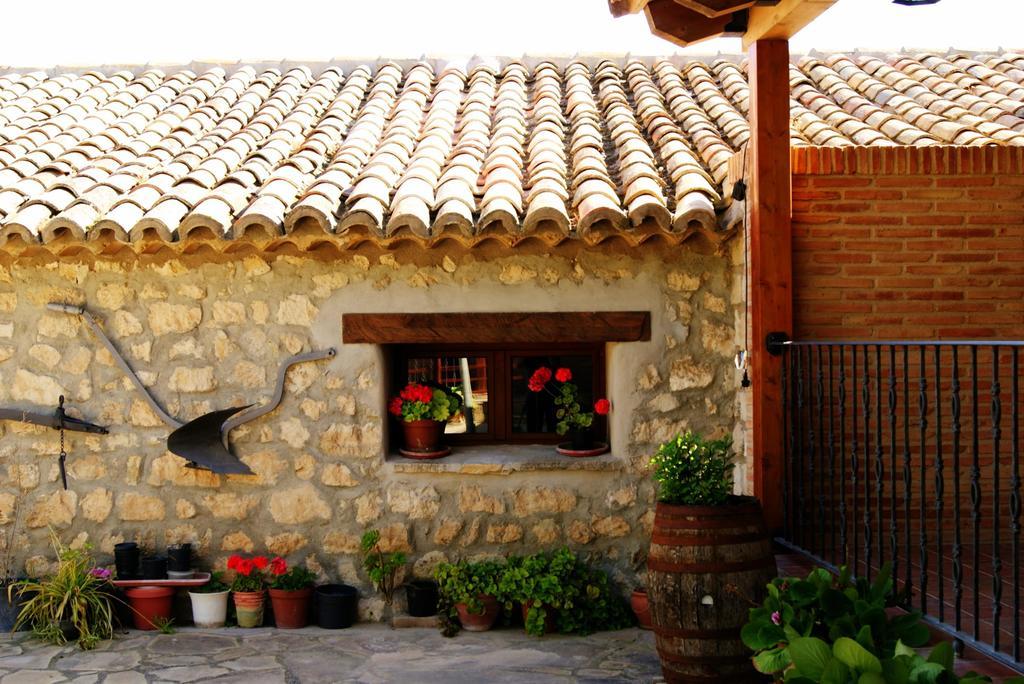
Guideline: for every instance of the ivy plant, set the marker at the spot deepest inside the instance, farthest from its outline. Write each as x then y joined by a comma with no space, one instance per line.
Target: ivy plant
693,471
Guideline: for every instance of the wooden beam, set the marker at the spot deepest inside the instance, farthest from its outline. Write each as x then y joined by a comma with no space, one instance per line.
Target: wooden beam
716,8
493,328
783,20
682,26
770,260
620,8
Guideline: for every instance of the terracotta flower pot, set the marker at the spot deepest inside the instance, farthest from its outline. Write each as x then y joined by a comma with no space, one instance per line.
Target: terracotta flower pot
479,622
422,435
641,608
150,603
249,608
291,608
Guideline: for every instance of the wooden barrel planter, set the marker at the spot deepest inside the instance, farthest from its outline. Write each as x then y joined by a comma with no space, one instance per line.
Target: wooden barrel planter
705,565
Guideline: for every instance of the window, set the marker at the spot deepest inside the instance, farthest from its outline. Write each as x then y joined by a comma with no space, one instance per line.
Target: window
492,378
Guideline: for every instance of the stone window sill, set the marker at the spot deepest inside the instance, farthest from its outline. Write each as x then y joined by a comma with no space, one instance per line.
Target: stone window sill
502,459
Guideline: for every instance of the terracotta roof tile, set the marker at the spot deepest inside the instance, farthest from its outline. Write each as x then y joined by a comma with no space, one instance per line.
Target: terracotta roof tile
578,150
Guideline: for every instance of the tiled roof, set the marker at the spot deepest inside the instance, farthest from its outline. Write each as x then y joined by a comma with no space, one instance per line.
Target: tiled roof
574,150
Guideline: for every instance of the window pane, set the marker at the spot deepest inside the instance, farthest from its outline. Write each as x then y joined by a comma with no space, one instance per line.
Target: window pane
463,375
534,412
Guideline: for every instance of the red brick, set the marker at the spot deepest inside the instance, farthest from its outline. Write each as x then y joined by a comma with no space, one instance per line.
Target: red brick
904,182
873,194
945,194
935,295
964,181
841,182
936,220
964,257
905,282
841,258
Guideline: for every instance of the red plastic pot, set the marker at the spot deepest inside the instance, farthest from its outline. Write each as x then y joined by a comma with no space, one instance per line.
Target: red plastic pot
291,608
422,435
479,622
641,608
150,605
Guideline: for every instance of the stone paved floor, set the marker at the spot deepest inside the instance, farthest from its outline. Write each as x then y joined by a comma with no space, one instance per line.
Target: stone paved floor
366,653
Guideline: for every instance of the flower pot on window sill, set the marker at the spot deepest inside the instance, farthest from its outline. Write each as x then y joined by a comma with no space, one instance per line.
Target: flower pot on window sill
581,443
422,439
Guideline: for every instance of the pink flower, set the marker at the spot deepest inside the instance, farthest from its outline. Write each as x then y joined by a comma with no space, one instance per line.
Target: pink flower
101,573
777,618
563,375
602,407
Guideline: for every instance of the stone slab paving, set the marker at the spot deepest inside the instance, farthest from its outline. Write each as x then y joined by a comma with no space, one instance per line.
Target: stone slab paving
366,654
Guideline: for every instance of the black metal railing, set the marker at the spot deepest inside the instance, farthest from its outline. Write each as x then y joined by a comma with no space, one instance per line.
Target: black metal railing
908,452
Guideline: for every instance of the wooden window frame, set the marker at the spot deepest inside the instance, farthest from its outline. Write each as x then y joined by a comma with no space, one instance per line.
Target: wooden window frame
499,388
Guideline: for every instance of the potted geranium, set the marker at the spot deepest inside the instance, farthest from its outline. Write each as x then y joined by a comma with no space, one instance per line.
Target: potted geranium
290,592
422,411
247,588
572,419
472,591
210,602
710,552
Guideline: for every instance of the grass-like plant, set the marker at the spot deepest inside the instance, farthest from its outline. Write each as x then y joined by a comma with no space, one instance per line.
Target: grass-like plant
74,597
693,471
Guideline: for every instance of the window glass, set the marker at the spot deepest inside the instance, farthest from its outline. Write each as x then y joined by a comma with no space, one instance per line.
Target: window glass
534,412
466,376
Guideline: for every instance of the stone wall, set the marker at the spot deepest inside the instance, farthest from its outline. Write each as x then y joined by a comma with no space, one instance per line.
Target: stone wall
205,336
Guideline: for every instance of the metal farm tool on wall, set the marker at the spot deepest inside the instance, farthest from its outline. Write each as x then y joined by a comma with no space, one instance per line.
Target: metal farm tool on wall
58,420
203,442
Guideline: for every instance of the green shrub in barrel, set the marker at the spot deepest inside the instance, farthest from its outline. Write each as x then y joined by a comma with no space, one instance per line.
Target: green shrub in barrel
710,555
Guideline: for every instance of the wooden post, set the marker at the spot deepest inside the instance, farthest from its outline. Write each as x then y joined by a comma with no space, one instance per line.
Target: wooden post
770,259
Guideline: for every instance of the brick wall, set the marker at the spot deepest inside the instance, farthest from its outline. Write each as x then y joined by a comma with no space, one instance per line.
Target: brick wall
908,243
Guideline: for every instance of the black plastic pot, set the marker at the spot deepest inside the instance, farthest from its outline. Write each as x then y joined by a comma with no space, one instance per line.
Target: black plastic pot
179,557
11,607
336,605
422,598
126,560
154,567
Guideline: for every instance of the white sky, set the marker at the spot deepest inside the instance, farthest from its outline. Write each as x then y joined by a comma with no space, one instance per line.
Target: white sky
94,32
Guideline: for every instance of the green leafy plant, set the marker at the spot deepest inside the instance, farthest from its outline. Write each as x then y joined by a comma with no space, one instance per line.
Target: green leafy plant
381,567
75,599
693,471
164,625
581,596
289,579
422,402
835,630
465,582
214,586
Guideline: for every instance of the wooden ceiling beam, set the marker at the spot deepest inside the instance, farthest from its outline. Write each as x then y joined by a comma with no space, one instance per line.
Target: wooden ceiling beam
716,8
682,26
782,20
620,8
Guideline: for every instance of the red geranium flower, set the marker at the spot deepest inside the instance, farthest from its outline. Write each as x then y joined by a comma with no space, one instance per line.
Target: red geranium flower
395,408
244,566
417,392
278,566
602,407
260,562
563,375
540,377
233,561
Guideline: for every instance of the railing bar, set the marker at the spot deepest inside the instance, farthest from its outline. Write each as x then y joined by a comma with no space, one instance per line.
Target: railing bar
939,487
787,427
908,481
958,573
811,451
997,558
900,343
922,406
820,452
1015,496
975,496
842,455
799,449
893,541
854,463
879,467
865,391
831,456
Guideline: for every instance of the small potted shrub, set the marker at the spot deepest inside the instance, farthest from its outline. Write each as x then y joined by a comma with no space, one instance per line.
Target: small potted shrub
423,411
472,590
71,604
290,592
247,588
572,419
705,541
381,567
210,602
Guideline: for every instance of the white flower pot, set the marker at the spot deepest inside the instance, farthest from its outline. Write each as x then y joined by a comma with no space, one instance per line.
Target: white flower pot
209,610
